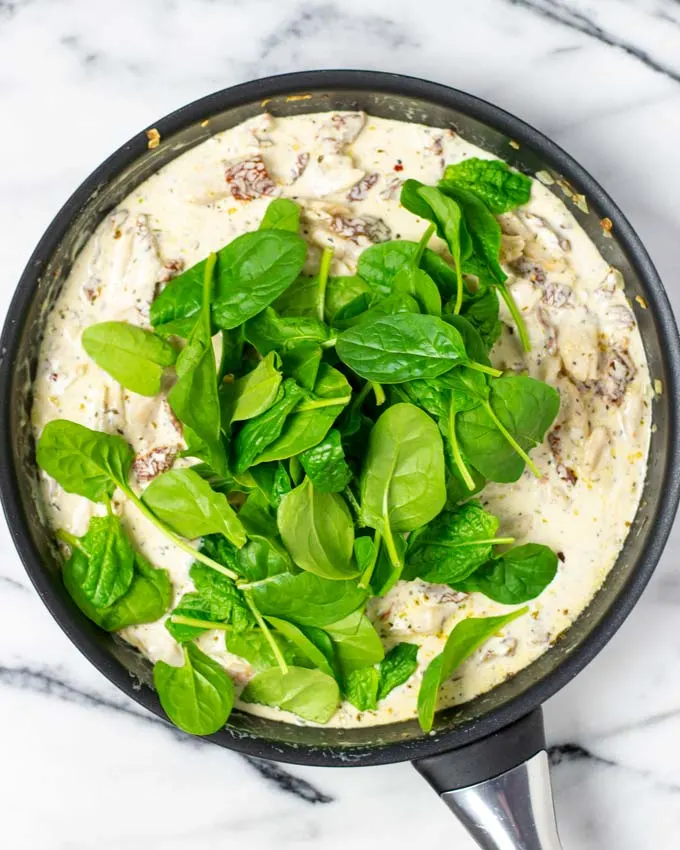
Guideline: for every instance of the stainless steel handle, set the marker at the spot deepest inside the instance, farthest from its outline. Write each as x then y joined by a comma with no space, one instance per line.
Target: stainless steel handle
513,811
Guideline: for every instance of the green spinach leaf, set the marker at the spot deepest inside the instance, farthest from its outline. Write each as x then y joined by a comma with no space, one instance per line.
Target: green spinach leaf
83,461
198,696
302,643
466,637
356,642
397,667
270,332
492,181
310,694
326,466
134,357
307,599
253,393
189,506
318,531
281,214
516,576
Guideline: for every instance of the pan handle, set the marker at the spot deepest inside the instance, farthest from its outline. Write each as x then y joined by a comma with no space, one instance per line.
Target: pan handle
499,787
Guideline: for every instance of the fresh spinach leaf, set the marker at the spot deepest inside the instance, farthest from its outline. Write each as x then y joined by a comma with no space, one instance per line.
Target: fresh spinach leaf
194,398
263,430
88,463
481,310
307,599
310,694
401,348
253,393
106,571
399,302
146,600
281,214
497,435
270,332
326,466
417,283
346,297
311,420
388,568
356,642
318,531
516,576
360,687
466,637
198,696
378,265
134,357
272,481
187,504
300,299
302,643
302,363
397,667
403,478
492,181
453,545
253,270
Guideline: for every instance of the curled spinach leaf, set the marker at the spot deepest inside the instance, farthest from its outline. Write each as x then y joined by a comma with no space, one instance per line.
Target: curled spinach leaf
326,466
492,181
515,576
307,599
253,393
281,214
310,694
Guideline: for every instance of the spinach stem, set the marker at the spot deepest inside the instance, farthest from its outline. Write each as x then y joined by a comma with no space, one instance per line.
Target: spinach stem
422,244
516,315
367,574
324,269
280,660
391,546
379,393
208,274
481,367
181,620
356,507
70,539
314,403
511,440
459,290
455,448
494,541
178,541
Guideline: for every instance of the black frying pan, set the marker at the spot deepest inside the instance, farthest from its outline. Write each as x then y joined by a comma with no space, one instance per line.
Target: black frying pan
484,757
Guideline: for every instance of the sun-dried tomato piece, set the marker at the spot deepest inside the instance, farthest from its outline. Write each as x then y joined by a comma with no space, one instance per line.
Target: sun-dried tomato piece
359,191
249,178
148,465
301,162
370,227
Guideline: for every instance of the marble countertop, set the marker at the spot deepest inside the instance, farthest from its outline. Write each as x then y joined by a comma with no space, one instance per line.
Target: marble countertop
83,766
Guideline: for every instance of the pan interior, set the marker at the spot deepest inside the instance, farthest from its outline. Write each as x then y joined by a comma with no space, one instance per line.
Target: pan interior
116,179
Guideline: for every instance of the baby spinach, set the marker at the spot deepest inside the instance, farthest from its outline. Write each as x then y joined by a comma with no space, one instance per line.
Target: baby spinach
255,647
253,270
302,643
481,310
318,531
198,696
187,504
263,430
397,667
302,363
310,694
356,642
364,687
281,214
253,393
272,481
492,181
88,463
403,480
398,302
194,398
326,466
134,357
307,599
146,600
466,637
311,420
417,283
401,348
497,435
453,545
515,576
270,332
346,297
107,566
388,568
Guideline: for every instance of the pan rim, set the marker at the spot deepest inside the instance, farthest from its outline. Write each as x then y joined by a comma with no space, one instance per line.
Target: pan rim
394,84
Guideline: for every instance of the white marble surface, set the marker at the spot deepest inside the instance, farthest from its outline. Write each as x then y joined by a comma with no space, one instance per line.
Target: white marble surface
82,766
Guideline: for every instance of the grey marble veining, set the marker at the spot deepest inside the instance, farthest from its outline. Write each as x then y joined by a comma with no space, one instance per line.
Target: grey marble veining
85,767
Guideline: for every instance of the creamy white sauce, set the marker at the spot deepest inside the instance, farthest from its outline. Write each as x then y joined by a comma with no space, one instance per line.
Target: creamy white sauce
584,341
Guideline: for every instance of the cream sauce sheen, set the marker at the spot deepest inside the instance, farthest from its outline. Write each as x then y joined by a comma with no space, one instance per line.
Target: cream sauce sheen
345,169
